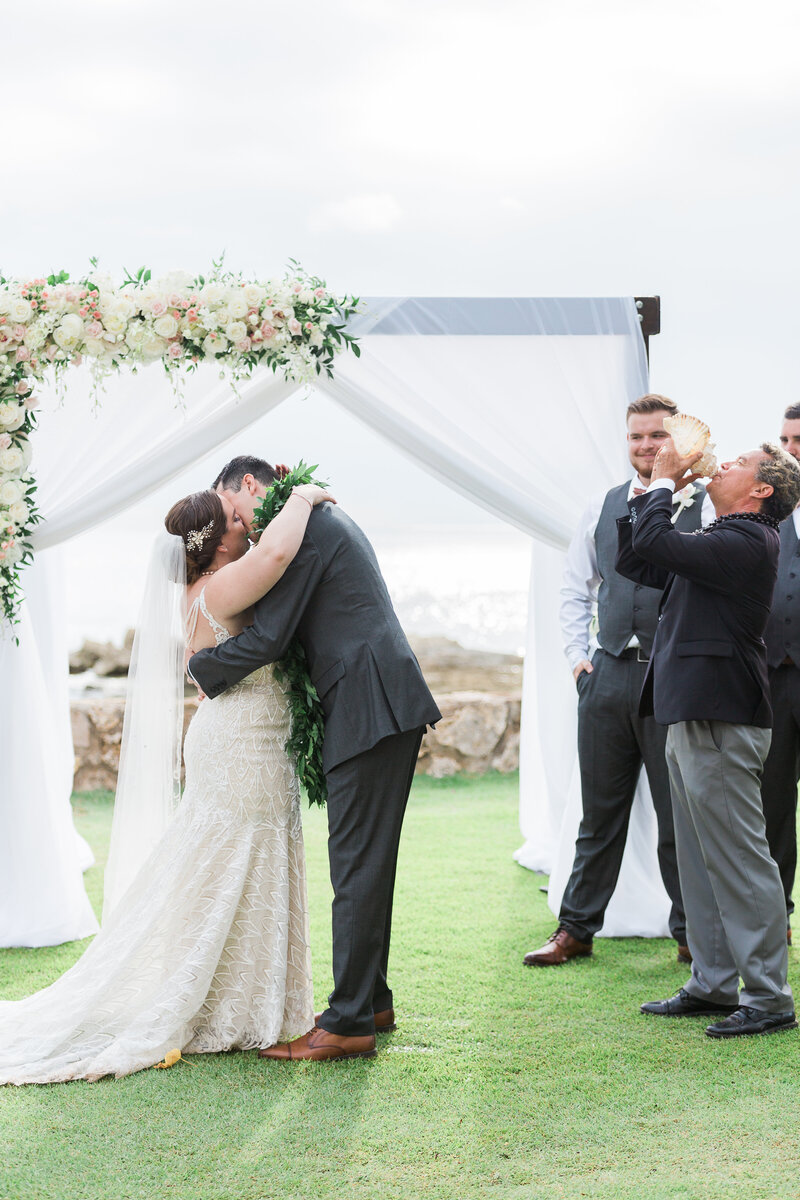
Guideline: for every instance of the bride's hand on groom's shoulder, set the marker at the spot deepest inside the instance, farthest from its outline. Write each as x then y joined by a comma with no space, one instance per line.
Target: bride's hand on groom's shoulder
313,494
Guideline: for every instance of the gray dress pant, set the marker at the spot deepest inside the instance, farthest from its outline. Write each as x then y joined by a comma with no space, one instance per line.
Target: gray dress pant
735,912
781,775
367,797
613,743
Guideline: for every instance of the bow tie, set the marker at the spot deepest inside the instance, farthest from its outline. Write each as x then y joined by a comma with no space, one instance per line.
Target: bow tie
639,491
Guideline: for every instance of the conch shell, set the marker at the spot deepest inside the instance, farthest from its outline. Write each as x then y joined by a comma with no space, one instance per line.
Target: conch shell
691,436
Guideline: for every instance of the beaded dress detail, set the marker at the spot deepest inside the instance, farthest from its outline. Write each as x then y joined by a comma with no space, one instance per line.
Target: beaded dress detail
208,950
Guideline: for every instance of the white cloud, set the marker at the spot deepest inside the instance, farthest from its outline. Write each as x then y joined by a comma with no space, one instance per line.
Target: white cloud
369,212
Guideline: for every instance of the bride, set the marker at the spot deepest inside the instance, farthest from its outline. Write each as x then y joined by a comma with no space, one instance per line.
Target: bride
204,944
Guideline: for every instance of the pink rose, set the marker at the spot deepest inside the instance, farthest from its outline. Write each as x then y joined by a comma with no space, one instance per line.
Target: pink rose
30,402
22,387
244,344
298,287
319,293
175,300
5,441
19,332
267,331
295,327
175,350
51,352
158,308
23,354
95,330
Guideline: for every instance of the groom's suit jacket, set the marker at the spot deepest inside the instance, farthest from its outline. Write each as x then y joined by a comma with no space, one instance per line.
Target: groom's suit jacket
709,661
333,598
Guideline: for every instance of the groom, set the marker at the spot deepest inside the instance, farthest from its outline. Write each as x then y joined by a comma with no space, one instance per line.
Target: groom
376,704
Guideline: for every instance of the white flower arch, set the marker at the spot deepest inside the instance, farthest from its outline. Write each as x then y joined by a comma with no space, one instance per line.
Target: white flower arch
294,325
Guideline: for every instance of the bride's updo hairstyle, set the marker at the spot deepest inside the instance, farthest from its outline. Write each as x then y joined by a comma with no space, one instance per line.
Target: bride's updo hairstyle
200,520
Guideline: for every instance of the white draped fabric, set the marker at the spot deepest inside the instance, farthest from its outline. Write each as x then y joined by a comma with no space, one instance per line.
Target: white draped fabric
92,462
517,404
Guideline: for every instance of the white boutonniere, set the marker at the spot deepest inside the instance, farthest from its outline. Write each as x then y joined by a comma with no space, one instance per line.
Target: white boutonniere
685,499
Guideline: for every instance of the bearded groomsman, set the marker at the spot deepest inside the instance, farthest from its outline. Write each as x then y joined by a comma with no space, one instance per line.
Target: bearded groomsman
613,740
782,635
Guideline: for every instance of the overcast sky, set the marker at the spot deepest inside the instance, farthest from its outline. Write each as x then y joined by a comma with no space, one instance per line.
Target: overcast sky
439,147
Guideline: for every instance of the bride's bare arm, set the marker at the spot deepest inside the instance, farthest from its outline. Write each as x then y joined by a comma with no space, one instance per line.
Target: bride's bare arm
237,586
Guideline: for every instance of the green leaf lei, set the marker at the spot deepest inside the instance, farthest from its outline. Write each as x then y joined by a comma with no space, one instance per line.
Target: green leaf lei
308,720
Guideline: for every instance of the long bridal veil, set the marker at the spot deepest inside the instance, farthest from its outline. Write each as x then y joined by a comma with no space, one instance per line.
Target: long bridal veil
149,780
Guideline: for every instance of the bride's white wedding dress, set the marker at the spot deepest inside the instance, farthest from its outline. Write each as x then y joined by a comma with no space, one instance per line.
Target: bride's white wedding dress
208,950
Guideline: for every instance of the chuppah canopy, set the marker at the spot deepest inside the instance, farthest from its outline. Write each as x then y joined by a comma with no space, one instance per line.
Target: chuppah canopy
517,404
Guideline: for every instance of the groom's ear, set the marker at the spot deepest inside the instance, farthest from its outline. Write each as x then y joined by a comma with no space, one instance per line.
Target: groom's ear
250,483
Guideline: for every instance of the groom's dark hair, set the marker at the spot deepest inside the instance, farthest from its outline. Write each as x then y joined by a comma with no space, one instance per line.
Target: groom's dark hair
232,474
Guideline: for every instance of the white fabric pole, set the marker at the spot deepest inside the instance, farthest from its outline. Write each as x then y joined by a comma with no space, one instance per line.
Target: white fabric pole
92,462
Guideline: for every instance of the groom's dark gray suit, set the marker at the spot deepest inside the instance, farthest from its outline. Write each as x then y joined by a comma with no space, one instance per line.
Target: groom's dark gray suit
377,704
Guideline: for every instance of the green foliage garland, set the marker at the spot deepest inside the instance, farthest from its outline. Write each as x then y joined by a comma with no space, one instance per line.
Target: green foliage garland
308,720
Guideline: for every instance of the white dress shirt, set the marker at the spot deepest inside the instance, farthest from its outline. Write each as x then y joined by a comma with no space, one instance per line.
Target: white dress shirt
581,578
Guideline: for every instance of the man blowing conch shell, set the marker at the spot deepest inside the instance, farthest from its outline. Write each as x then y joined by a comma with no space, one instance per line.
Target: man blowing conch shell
707,681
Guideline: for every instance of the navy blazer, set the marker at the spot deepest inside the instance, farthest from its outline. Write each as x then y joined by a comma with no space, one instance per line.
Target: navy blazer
709,661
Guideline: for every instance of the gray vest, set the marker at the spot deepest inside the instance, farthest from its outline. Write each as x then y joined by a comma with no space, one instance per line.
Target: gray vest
782,634
625,608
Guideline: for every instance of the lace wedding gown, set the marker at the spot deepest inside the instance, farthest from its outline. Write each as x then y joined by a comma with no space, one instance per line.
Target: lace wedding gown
208,950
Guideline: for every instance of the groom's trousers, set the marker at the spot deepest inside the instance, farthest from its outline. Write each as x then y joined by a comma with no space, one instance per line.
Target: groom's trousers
735,911
367,797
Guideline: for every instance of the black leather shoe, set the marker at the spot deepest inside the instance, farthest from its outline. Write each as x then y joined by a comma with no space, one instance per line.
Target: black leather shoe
685,1005
747,1021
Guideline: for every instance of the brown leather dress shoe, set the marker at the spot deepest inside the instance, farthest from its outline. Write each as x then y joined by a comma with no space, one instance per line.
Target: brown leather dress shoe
559,948
684,955
320,1046
384,1021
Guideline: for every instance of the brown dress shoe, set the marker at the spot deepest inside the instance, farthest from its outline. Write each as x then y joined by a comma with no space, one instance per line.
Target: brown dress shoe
320,1046
559,948
384,1021
684,955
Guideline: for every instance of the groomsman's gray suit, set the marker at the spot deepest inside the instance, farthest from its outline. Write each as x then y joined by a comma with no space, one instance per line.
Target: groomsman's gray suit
707,680
782,768
614,741
376,704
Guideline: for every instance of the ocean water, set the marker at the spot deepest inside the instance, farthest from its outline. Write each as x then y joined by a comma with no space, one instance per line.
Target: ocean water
465,582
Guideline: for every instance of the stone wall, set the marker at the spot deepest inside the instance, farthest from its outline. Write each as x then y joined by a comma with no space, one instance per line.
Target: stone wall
477,733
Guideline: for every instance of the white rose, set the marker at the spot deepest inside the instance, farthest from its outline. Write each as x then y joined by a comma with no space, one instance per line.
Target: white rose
94,347
5,302
236,331
305,297
153,347
135,335
20,310
9,412
215,345
69,333
317,339
114,322
35,337
12,492
213,293
12,460
57,301
166,326
237,305
13,554
223,316
18,512
254,294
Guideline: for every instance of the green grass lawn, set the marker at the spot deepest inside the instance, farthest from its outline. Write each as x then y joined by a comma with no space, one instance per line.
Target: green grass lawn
500,1081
